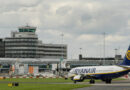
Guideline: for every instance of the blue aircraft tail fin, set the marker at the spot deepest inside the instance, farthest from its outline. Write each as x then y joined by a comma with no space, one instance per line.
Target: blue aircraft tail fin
126,60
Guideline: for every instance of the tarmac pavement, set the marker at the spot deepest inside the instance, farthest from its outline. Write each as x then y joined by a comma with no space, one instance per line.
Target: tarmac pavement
115,85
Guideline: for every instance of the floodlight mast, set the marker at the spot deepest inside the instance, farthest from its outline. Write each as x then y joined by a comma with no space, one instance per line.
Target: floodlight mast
62,53
104,47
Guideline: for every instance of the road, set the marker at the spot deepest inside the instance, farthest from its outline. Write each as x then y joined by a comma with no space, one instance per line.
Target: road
115,85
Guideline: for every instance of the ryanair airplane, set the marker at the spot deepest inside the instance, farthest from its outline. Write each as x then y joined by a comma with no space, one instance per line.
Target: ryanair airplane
105,73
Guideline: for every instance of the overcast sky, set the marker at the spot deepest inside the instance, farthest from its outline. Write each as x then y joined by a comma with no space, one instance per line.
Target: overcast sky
82,22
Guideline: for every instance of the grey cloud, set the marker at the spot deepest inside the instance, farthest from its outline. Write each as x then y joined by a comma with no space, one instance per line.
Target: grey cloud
15,5
69,16
63,10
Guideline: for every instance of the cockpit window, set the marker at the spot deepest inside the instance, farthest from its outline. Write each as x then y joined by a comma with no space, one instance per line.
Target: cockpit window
72,71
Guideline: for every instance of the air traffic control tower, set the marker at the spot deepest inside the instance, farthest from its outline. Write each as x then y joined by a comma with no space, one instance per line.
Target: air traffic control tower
26,32
27,29
21,44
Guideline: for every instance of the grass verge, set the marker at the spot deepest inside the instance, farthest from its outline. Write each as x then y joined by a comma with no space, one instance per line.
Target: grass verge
24,86
46,80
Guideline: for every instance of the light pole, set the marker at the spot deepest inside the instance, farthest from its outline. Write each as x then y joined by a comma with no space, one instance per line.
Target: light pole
116,58
62,53
115,51
80,51
104,47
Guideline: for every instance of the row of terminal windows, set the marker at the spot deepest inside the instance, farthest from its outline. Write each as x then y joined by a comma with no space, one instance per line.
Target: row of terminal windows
29,56
52,47
21,49
52,51
21,43
29,45
51,55
29,48
20,54
21,39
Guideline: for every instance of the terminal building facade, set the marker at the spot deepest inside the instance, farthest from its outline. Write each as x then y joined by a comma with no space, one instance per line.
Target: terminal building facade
25,44
2,50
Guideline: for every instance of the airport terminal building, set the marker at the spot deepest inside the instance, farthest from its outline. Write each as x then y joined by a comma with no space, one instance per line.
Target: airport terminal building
24,43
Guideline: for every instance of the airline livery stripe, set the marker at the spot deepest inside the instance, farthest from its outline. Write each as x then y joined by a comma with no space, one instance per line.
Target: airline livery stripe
107,72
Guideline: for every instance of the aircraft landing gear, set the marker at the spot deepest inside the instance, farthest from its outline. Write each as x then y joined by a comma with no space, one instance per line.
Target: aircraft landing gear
92,81
74,82
108,81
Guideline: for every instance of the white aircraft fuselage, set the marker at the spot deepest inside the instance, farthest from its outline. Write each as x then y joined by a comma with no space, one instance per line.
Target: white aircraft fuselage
99,72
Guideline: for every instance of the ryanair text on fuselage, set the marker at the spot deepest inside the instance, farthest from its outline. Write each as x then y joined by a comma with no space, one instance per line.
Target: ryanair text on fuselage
85,70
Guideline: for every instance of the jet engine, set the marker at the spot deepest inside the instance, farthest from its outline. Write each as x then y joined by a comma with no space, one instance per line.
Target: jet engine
78,78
